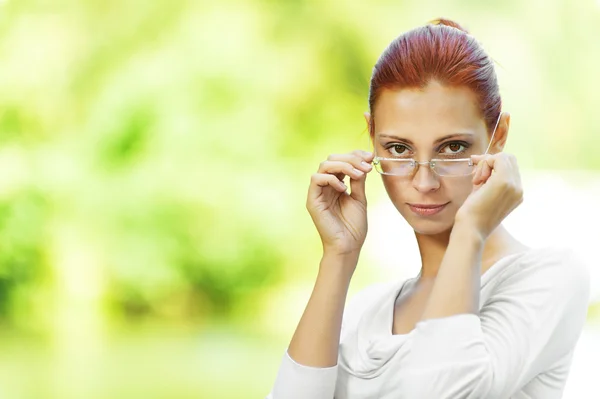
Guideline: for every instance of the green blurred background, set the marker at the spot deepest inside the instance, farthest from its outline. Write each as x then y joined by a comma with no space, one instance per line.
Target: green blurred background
155,157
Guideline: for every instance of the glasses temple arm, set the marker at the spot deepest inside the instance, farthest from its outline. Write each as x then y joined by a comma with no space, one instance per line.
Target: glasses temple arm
493,133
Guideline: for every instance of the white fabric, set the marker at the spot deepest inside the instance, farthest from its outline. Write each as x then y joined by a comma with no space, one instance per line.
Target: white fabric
532,310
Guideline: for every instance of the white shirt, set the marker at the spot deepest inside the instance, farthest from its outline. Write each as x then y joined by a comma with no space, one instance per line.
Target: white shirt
532,310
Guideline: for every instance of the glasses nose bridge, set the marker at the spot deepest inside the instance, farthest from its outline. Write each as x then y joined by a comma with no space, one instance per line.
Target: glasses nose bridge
417,164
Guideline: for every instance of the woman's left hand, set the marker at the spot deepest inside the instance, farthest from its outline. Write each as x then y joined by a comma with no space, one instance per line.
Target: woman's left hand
497,191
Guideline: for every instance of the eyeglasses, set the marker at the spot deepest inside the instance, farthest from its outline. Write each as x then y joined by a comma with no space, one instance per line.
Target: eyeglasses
454,167
407,167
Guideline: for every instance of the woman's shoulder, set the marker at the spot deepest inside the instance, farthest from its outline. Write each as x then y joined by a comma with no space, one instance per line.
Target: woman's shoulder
545,289
558,261
557,270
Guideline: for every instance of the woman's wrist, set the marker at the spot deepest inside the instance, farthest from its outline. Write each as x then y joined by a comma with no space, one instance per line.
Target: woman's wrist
467,234
343,264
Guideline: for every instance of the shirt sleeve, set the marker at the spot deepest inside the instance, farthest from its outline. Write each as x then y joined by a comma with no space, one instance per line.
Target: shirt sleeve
296,381
532,320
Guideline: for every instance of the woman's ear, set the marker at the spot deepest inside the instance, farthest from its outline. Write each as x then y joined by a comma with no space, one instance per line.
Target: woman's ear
501,134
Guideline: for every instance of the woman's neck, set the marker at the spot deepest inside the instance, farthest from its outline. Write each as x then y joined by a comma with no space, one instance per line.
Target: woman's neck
433,247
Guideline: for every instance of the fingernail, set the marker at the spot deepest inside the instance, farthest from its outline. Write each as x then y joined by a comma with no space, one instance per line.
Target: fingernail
365,164
358,172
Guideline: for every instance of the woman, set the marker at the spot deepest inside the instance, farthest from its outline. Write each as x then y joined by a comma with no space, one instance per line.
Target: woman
486,317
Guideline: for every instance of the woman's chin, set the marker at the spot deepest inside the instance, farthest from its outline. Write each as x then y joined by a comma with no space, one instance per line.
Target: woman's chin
429,228
429,225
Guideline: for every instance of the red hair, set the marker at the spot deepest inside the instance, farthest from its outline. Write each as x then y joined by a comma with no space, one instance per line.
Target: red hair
443,51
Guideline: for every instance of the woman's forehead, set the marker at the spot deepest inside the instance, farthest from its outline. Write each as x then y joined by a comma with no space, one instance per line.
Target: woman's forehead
433,103
435,109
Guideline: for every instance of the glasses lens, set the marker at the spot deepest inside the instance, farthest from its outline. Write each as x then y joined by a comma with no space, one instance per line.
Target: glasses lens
396,167
453,167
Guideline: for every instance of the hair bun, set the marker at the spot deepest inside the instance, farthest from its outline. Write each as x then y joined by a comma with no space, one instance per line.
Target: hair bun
448,22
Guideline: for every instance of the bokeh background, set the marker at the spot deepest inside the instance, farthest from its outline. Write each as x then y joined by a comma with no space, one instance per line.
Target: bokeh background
154,163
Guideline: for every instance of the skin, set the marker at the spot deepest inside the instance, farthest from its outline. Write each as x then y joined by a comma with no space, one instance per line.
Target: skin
457,245
422,116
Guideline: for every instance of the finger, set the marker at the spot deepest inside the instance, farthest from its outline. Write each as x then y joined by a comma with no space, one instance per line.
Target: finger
477,174
486,172
499,162
483,168
319,181
357,187
477,159
341,169
477,162
367,156
358,159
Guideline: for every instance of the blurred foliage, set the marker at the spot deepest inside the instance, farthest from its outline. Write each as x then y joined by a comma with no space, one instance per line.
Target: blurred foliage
155,155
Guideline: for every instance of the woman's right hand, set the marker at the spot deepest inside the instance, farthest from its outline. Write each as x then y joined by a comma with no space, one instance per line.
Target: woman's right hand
340,217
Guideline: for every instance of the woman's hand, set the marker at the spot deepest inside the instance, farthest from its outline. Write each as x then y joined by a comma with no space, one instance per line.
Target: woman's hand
497,191
340,217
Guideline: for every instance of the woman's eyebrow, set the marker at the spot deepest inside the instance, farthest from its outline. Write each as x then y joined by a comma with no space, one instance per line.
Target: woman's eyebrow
454,135
444,138
390,136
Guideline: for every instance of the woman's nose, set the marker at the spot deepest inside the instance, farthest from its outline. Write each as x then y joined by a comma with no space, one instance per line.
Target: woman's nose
425,179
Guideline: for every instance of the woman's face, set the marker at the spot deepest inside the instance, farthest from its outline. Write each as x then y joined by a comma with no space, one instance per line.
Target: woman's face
435,122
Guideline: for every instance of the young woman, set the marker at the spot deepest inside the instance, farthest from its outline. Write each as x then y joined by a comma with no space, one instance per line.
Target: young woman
486,317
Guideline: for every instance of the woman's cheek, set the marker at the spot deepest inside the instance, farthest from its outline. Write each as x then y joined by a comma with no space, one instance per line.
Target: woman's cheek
460,191
395,188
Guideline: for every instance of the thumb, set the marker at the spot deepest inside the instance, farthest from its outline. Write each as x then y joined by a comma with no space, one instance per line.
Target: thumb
357,187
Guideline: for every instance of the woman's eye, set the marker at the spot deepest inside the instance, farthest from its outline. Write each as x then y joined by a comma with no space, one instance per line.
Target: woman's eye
398,150
455,148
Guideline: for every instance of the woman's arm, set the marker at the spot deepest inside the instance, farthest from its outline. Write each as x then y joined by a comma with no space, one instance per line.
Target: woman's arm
495,195
528,326
316,340
458,283
309,367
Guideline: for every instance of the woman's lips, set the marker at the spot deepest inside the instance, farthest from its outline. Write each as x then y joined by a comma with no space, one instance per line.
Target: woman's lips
427,209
